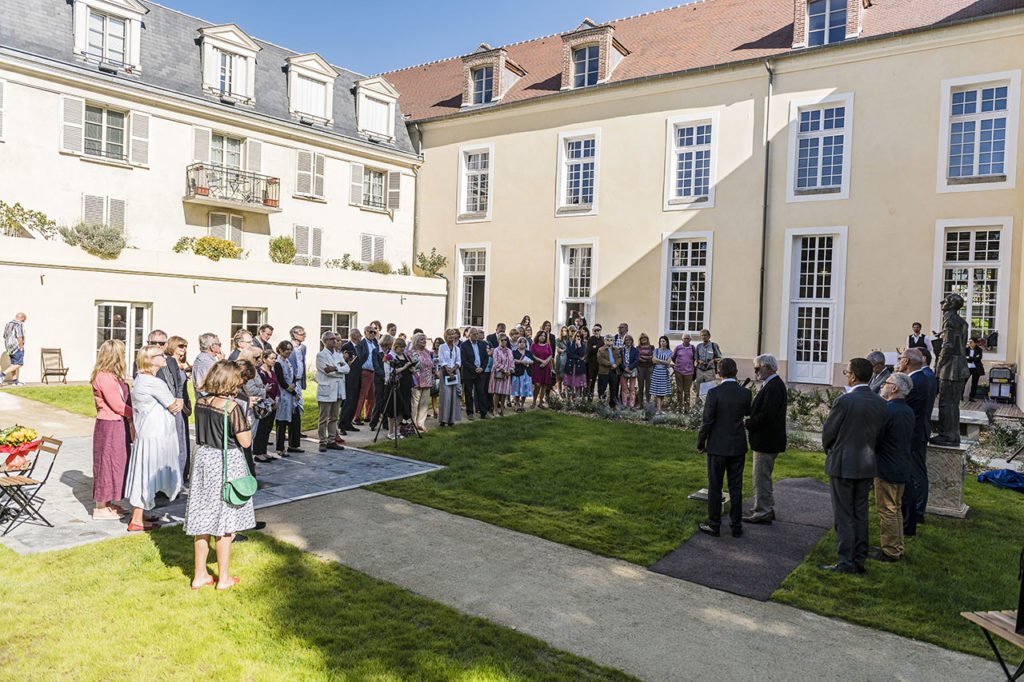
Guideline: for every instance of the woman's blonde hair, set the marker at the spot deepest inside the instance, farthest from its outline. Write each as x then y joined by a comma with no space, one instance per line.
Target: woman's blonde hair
110,358
143,361
173,343
224,379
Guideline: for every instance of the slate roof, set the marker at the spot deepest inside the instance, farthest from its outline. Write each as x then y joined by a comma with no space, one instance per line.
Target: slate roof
171,60
699,35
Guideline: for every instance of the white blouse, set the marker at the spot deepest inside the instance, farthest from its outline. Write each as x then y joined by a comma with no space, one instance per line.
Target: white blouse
449,356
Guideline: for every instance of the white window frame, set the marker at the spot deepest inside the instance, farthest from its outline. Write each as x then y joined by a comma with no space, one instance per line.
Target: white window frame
262,312
828,14
128,11
104,46
104,114
223,151
485,96
363,123
793,195
839,257
1004,224
673,123
586,62
561,207
353,321
667,238
462,215
230,40
1010,78
131,323
562,280
460,272
367,182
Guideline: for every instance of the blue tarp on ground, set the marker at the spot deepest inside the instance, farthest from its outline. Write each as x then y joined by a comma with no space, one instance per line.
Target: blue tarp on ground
1003,478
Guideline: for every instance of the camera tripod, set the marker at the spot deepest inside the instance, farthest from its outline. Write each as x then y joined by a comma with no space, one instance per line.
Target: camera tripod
391,399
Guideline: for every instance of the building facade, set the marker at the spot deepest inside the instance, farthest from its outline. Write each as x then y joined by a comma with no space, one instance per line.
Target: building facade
802,178
132,115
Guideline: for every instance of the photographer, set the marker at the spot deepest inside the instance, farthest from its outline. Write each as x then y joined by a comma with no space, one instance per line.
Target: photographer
403,368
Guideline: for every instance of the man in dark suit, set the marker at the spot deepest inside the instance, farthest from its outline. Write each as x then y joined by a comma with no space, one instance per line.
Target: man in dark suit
767,427
724,439
492,339
262,339
880,371
355,352
474,378
893,467
920,400
850,436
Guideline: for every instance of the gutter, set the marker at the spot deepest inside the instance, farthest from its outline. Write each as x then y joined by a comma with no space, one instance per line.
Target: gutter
764,204
416,200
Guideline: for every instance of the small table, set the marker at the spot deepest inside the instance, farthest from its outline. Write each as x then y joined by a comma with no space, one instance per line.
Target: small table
1002,624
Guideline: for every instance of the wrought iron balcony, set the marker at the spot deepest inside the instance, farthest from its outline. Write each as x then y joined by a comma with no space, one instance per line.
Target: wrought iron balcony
213,185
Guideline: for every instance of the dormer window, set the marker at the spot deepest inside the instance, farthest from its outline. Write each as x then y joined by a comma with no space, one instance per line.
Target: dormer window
483,85
826,22
376,104
311,88
109,32
229,63
586,66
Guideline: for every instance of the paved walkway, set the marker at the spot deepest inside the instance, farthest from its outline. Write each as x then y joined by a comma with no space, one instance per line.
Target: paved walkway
610,611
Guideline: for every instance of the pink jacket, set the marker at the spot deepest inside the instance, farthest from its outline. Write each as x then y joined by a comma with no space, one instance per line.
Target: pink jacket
112,397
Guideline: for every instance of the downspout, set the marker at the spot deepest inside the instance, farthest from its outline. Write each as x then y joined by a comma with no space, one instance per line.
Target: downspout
416,225
764,206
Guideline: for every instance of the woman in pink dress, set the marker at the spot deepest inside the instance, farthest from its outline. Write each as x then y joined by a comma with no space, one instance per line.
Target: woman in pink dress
423,380
541,372
112,434
501,374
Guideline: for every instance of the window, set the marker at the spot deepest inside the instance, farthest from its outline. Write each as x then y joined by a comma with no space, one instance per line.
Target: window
972,267
473,282
104,133
376,100
371,248
977,133
103,210
579,172
229,61
585,65
820,149
227,226
230,74
373,188
127,322
483,85
687,285
226,151
311,97
693,162
341,324
826,22
106,38
225,72
308,245
376,117
477,182
250,319
309,178
576,281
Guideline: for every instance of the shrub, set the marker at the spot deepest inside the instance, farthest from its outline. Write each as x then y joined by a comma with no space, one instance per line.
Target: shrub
381,267
215,249
16,218
404,270
282,250
184,245
343,263
432,264
102,241
1004,438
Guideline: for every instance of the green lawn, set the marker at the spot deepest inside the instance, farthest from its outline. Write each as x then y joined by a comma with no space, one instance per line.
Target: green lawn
122,609
620,490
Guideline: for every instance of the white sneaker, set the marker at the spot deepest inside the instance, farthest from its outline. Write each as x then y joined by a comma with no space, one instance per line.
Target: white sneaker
17,383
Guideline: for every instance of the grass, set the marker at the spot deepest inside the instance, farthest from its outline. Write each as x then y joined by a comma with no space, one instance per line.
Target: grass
620,490
122,609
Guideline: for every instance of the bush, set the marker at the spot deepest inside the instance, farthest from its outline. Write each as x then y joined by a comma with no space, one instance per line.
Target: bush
14,219
184,245
102,241
432,264
381,267
343,263
215,249
282,250
404,270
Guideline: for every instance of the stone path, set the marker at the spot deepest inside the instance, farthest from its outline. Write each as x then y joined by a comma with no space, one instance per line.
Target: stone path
610,611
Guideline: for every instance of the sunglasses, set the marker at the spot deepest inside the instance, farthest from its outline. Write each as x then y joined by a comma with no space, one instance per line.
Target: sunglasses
159,343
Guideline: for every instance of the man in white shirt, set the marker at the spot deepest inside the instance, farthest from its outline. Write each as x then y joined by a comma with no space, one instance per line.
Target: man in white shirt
331,369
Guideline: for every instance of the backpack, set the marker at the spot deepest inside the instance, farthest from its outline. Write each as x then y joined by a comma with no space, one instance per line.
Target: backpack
11,336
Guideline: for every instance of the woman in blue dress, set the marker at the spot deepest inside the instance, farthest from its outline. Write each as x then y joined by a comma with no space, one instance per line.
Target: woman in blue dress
522,382
661,385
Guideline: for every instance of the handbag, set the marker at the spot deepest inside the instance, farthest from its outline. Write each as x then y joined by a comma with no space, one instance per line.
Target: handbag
236,491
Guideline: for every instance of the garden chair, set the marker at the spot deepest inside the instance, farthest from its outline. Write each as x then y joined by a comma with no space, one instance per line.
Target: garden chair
19,493
52,363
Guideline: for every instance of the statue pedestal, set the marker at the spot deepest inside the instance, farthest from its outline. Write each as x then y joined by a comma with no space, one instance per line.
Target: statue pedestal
947,466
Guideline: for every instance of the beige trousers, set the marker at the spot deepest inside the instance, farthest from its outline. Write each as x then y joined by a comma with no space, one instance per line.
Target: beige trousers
888,498
420,406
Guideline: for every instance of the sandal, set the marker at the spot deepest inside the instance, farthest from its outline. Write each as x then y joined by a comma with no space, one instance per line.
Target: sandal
134,528
210,582
105,514
233,581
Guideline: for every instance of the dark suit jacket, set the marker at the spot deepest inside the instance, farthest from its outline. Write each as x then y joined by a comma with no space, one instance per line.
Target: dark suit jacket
878,379
933,391
767,421
722,433
894,445
265,345
850,434
492,340
468,363
975,355
378,363
918,402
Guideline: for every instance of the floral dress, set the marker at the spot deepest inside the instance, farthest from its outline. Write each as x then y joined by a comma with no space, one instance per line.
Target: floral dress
503,365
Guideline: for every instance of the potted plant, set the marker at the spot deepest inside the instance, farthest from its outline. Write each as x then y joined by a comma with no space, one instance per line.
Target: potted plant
270,198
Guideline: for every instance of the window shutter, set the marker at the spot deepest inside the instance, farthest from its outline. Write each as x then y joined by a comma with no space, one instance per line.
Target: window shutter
211,67
139,128
318,176
304,173
394,189
72,124
201,144
365,248
301,245
3,86
316,246
115,213
93,209
219,225
240,77
253,155
378,248
355,196
235,224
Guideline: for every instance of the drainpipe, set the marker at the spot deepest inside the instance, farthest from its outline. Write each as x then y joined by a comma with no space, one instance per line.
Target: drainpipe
764,205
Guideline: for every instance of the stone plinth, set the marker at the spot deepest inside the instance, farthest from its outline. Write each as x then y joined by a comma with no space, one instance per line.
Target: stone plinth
947,466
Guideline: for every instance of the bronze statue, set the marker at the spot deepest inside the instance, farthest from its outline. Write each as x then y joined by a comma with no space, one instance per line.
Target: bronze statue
951,371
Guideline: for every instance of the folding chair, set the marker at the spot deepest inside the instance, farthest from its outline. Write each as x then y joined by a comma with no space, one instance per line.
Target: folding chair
19,494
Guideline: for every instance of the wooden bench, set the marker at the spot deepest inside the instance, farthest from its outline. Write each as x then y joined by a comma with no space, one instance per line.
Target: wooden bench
52,363
1002,624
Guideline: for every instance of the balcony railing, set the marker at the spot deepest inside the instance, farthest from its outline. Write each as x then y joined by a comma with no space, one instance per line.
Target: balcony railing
221,185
